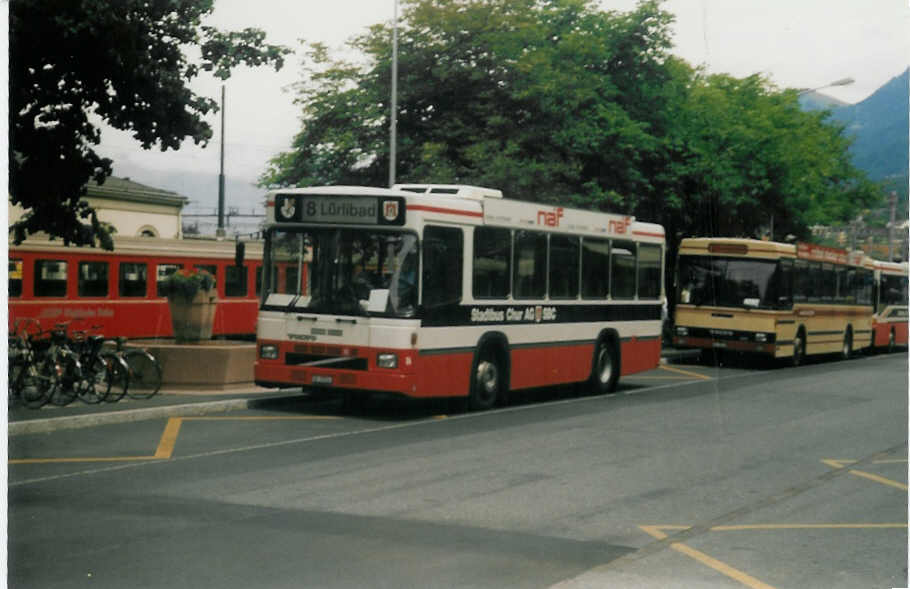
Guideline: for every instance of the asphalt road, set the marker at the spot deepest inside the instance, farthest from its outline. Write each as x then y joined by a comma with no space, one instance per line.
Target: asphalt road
690,476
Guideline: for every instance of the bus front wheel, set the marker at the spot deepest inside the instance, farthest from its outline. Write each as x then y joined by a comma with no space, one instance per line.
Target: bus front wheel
486,382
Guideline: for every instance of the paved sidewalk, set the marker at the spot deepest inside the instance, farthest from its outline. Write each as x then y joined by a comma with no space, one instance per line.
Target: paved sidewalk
174,403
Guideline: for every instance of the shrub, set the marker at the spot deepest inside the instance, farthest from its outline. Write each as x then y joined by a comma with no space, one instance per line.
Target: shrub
185,283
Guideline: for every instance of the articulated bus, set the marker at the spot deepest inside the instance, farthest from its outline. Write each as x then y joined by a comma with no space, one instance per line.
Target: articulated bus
453,291
117,291
889,324
776,299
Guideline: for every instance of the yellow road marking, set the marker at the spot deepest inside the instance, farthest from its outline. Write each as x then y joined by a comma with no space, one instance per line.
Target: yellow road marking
878,479
168,439
685,372
869,475
706,560
65,460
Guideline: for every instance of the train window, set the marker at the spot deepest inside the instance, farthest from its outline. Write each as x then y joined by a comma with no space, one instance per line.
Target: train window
15,278
258,280
210,268
92,279
235,281
165,270
50,278
133,278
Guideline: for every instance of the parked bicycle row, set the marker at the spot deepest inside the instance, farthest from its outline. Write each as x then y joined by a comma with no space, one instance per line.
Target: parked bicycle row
59,365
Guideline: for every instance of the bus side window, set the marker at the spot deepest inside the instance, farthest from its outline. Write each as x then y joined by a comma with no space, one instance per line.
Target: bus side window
258,280
529,265
829,283
133,279
564,267
865,286
443,251
782,286
92,279
15,278
649,274
492,262
595,268
50,278
235,278
622,269
802,281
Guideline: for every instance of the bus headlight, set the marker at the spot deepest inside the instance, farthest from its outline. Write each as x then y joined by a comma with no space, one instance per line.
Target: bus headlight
682,331
268,352
387,360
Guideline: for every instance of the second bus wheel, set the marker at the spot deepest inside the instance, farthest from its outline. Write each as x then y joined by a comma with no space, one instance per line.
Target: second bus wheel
605,369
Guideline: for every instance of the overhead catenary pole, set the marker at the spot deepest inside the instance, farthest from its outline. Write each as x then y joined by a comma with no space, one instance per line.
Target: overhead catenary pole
393,117
220,231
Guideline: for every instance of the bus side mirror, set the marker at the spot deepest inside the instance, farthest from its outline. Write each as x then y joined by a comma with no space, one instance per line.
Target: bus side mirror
239,251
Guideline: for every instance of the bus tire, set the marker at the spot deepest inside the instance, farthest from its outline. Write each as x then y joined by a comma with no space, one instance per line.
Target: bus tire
605,367
488,379
847,347
799,349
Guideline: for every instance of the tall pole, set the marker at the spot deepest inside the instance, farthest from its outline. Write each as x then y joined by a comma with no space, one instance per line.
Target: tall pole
891,227
220,231
393,127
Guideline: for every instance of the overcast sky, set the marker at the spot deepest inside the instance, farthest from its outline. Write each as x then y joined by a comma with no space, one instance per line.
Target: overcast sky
796,43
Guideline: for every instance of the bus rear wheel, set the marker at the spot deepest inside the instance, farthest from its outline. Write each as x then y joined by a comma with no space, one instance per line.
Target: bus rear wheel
799,350
605,370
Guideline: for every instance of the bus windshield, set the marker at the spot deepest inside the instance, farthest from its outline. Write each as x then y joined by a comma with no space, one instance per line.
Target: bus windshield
344,271
733,282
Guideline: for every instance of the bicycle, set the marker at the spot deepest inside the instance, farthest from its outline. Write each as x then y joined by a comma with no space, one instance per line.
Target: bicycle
63,363
105,375
27,384
144,370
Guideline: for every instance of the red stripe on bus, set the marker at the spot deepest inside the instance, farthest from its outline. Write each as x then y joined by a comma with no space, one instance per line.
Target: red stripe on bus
644,234
443,211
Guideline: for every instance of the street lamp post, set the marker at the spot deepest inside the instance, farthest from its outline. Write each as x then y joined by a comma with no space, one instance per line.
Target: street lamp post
841,82
393,115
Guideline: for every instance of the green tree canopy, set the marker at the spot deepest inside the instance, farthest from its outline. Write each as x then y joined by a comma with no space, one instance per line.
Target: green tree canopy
558,101
125,61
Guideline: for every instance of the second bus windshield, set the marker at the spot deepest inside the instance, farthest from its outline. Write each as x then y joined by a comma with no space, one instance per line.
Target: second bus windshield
732,282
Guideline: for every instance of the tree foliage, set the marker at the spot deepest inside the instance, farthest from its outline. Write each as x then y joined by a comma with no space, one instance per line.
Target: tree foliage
126,62
558,101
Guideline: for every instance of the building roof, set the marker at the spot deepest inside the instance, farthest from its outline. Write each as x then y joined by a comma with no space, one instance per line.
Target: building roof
126,189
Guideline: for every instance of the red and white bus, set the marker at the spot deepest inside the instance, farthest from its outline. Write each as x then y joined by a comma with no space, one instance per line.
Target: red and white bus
453,291
889,324
118,290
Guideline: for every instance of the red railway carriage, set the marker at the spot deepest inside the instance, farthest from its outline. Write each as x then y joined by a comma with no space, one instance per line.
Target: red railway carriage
118,290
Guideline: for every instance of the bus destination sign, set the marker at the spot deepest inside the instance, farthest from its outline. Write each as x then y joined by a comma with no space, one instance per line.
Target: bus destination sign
338,210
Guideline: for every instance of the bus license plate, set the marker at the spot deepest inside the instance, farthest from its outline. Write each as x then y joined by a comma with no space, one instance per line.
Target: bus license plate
320,379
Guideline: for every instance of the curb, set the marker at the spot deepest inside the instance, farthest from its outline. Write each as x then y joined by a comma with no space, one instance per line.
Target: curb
42,426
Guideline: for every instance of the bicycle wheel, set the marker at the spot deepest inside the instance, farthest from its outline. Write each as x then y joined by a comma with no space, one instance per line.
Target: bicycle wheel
67,373
95,382
118,375
145,374
34,388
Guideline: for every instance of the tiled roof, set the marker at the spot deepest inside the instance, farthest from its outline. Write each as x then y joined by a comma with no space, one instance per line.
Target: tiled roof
126,189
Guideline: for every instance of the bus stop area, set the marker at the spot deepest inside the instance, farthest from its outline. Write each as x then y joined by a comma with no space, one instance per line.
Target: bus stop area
174,403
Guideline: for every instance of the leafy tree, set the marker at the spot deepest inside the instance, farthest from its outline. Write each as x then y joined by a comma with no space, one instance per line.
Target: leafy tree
558,101
125,61
545,100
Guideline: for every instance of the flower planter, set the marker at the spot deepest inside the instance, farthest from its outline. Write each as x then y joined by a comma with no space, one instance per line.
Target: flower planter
192,318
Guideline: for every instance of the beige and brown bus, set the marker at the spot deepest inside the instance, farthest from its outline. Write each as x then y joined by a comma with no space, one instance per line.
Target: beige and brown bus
776,299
